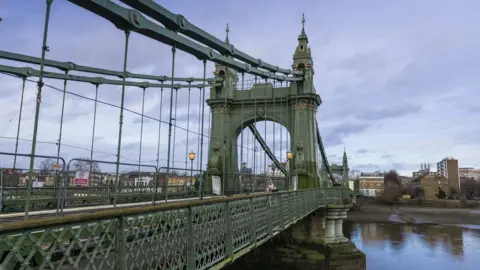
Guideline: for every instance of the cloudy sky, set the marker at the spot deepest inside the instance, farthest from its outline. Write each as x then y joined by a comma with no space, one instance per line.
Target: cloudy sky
399,81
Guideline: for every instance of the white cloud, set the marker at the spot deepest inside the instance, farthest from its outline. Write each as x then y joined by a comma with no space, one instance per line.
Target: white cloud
370,63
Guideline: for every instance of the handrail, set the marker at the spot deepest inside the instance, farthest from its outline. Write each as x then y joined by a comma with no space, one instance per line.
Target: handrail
112,213
138,210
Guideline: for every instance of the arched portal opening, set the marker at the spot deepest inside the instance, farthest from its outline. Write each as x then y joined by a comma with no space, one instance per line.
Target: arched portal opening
338,178
255,162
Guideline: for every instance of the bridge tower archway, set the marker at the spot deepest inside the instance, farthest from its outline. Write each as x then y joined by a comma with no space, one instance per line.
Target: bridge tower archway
293,106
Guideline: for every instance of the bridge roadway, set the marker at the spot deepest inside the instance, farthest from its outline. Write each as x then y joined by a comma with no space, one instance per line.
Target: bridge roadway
12,217
180,234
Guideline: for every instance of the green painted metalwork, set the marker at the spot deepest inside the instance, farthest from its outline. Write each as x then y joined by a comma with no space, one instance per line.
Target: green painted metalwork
69,66
201,234
293,107
37,106
120,126
179,23
267,150
133,20
30,72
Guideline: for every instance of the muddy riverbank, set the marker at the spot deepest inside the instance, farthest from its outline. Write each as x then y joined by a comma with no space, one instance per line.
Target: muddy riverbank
412,214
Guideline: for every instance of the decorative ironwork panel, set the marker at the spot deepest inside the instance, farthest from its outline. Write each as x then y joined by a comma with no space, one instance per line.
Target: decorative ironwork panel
78,246
158,240
275,210
260,210
209,228
240,215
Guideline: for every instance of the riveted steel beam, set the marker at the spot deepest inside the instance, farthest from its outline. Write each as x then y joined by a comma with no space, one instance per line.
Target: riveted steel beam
30,72
69,66
133,20
178,23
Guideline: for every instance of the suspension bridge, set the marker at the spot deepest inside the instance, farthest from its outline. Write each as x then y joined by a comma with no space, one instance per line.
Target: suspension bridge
203,212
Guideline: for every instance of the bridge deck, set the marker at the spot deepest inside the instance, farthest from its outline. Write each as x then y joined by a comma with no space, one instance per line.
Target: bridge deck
189,234
7,218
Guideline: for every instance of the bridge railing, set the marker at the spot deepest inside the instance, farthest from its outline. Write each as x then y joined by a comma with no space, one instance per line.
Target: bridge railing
14,178
84,182
250,183
183,235
134,182
180,182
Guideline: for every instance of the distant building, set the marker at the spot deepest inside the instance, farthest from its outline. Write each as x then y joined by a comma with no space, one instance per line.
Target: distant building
448,168
469,173
245,170
275,172
431,184
424,170
371,184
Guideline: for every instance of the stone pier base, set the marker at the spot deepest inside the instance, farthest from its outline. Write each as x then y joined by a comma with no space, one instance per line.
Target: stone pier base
316,242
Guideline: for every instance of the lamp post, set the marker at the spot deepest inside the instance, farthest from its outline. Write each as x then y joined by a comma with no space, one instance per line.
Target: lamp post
289,158
191,156
242,182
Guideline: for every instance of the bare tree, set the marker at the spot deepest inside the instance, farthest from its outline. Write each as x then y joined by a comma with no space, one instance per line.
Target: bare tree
392,189
353,174
83,164
46,166
9,177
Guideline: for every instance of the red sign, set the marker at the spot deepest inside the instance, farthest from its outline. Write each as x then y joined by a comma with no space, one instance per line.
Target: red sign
80,181
81,178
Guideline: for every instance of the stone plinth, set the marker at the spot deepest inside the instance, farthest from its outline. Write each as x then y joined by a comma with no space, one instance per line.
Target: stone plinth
316,242
334,216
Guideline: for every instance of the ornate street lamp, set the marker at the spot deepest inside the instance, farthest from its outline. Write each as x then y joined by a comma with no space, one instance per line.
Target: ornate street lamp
289,158
289,155
191,156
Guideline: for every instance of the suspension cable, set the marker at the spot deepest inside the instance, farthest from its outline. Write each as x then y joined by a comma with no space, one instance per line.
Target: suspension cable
188,128
159,128
19,124
117,106
203,115
61,119
265,131
170,118
93,132
122,102
37,108
141,130
175,128
199,119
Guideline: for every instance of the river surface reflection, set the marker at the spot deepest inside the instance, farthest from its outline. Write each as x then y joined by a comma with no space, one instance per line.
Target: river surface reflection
399,246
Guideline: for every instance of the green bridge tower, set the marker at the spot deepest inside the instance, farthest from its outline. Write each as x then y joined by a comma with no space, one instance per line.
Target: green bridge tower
293,106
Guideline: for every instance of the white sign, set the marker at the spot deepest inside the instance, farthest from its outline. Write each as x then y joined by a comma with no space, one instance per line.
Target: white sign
38,184
216,185
81,178
294,180
142,181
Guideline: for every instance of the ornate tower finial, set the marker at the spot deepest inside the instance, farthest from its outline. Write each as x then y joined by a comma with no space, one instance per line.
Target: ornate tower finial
303,24
227,30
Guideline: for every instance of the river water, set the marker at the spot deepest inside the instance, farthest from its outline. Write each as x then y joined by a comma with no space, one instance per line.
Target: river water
399,246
